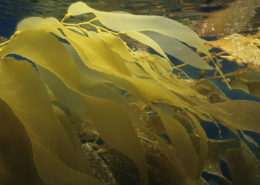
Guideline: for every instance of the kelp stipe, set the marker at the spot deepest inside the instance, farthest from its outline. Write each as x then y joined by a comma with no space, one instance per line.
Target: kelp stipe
138,123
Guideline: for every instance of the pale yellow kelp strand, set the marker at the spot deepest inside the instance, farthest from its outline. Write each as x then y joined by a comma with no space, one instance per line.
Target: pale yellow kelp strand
133,24
130,22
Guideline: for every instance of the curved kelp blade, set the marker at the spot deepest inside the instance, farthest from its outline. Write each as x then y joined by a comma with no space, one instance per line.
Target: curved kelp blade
146,40
182,143
55,156
178,50
16,151
242,114
129,22
238,114
111,120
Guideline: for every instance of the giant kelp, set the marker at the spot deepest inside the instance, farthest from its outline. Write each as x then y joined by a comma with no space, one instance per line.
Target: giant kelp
93,109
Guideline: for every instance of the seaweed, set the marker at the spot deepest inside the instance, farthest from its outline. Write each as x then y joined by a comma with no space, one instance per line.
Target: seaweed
97,108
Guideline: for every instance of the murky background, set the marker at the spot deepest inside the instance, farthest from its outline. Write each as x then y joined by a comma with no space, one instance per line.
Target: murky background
206,17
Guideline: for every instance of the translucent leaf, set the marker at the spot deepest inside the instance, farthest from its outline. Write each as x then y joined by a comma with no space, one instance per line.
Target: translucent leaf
212,91
129,22
239,84
181,142
248,82
110,119
146,40
56,158
243,165
117,45
254,87
178,50
16,150
66,96
49,24
242,114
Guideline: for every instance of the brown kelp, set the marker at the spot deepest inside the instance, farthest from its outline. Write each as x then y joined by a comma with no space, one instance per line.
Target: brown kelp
94,108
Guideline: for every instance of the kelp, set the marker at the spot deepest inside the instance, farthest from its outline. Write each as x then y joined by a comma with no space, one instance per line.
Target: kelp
93,110
244,51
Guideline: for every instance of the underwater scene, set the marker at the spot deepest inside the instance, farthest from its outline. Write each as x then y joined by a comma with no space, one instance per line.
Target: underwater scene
130,92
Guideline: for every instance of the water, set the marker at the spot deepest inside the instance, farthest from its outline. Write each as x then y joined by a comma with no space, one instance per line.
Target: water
206,17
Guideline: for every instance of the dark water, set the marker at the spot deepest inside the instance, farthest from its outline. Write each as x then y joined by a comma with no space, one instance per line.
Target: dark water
238,15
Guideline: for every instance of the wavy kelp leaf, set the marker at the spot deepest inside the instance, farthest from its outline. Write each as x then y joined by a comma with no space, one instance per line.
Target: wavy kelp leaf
212,91
77,41
109,118
254,87
49,24
66,97
182,143
117,45
237,83
247,170
16,151
149,93
95,72
212,165
129,22
146,40
178,50
248,82
242,114
135,82
162,170
134,85
104,125
107,61
251,87
55,157
202,150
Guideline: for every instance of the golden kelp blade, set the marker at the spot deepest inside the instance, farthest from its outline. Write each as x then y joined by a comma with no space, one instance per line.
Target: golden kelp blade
178,50
247,170
55,157
240,114
243,114
16,151
139,89
242,163
130,22
182,143
135,23
248,82
145,40
113,124
91,75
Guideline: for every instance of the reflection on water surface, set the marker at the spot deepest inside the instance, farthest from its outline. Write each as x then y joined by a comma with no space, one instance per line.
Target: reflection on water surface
207,17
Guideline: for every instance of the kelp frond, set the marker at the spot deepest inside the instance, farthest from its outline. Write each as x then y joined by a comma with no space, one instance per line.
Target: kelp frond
95,110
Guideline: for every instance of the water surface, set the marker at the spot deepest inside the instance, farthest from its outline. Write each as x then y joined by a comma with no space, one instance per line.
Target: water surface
206,17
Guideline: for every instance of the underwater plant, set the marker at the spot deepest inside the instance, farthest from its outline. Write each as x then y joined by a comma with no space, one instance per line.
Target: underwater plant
94,99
